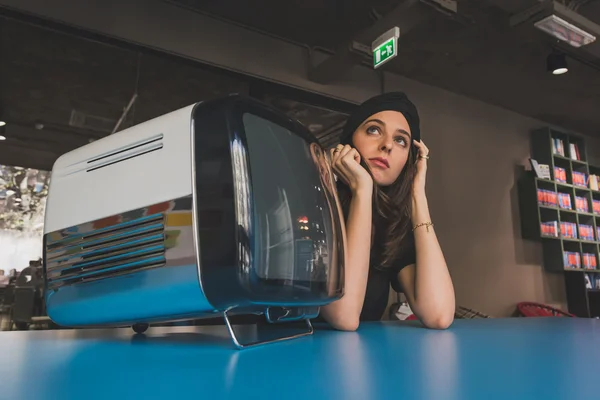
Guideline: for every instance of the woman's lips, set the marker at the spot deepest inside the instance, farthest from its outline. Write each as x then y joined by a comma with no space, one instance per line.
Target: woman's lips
380,162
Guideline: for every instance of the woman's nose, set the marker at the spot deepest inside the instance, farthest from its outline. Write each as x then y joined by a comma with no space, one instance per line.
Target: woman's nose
386,146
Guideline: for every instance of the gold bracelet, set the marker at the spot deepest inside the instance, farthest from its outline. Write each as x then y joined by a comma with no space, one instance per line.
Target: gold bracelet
427,224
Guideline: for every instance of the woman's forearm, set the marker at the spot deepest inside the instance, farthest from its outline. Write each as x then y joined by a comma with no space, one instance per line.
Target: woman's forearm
345,313
434,300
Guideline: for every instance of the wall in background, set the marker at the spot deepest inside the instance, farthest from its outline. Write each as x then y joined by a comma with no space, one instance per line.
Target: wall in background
476,152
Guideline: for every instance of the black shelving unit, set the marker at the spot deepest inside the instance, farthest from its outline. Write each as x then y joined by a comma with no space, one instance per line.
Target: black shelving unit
581,301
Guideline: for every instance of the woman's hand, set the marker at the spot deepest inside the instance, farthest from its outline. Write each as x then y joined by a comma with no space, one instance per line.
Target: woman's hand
345,162
420,176
344,314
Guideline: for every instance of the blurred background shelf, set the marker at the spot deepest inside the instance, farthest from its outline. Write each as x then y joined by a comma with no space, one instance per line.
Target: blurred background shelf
545,143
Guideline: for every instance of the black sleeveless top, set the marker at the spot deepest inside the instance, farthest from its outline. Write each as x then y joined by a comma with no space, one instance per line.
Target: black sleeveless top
380,279
378,285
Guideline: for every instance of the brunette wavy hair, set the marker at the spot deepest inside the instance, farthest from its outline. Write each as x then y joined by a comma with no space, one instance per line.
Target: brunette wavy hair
392,207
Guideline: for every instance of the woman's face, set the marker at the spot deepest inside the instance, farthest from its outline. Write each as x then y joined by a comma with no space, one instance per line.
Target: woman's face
383,141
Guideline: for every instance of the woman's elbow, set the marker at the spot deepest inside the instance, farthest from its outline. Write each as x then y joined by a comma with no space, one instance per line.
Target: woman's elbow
341,319
441,322
348,324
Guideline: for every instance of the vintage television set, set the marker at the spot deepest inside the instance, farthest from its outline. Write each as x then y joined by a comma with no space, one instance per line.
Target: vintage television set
223,207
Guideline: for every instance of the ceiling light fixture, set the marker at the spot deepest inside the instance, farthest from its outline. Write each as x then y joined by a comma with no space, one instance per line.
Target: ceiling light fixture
559,21
557,63
2,138
562,30
2,123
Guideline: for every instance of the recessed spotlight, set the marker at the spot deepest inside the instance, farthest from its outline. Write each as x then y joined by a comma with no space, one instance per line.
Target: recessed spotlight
2,123
557,63
560,71
2,138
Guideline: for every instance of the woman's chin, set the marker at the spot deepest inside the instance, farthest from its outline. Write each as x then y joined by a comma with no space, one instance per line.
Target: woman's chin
382,183
380,179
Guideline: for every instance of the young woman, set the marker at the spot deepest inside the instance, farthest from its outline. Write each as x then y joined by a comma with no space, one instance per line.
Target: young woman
381,165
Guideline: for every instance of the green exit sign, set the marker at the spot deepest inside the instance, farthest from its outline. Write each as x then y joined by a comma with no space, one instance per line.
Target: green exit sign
385,47
384,52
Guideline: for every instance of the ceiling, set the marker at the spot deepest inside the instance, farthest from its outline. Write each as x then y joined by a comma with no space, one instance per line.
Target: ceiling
59,91
479,55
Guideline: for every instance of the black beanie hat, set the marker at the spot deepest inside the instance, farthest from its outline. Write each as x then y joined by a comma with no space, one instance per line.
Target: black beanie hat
392,101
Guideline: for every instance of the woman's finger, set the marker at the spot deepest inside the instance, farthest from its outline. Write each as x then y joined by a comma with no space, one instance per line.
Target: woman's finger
340,156
345,150
343,162
422,152
346,164
336,149
342,173
335,153
355,155
332,156
423,149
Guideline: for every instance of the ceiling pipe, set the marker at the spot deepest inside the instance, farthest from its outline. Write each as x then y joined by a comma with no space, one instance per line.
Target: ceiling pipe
125,112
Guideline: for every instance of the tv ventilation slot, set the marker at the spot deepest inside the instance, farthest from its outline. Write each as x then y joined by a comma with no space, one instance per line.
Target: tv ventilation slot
105,253
126,153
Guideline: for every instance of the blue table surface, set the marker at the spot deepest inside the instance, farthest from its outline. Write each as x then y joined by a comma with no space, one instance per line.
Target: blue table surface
520,358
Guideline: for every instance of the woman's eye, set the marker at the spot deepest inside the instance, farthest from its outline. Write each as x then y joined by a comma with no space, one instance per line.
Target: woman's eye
401,141
372,130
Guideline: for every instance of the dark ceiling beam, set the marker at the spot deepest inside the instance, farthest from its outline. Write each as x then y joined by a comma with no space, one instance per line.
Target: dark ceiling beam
57,141
27,144
26,157
406,15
